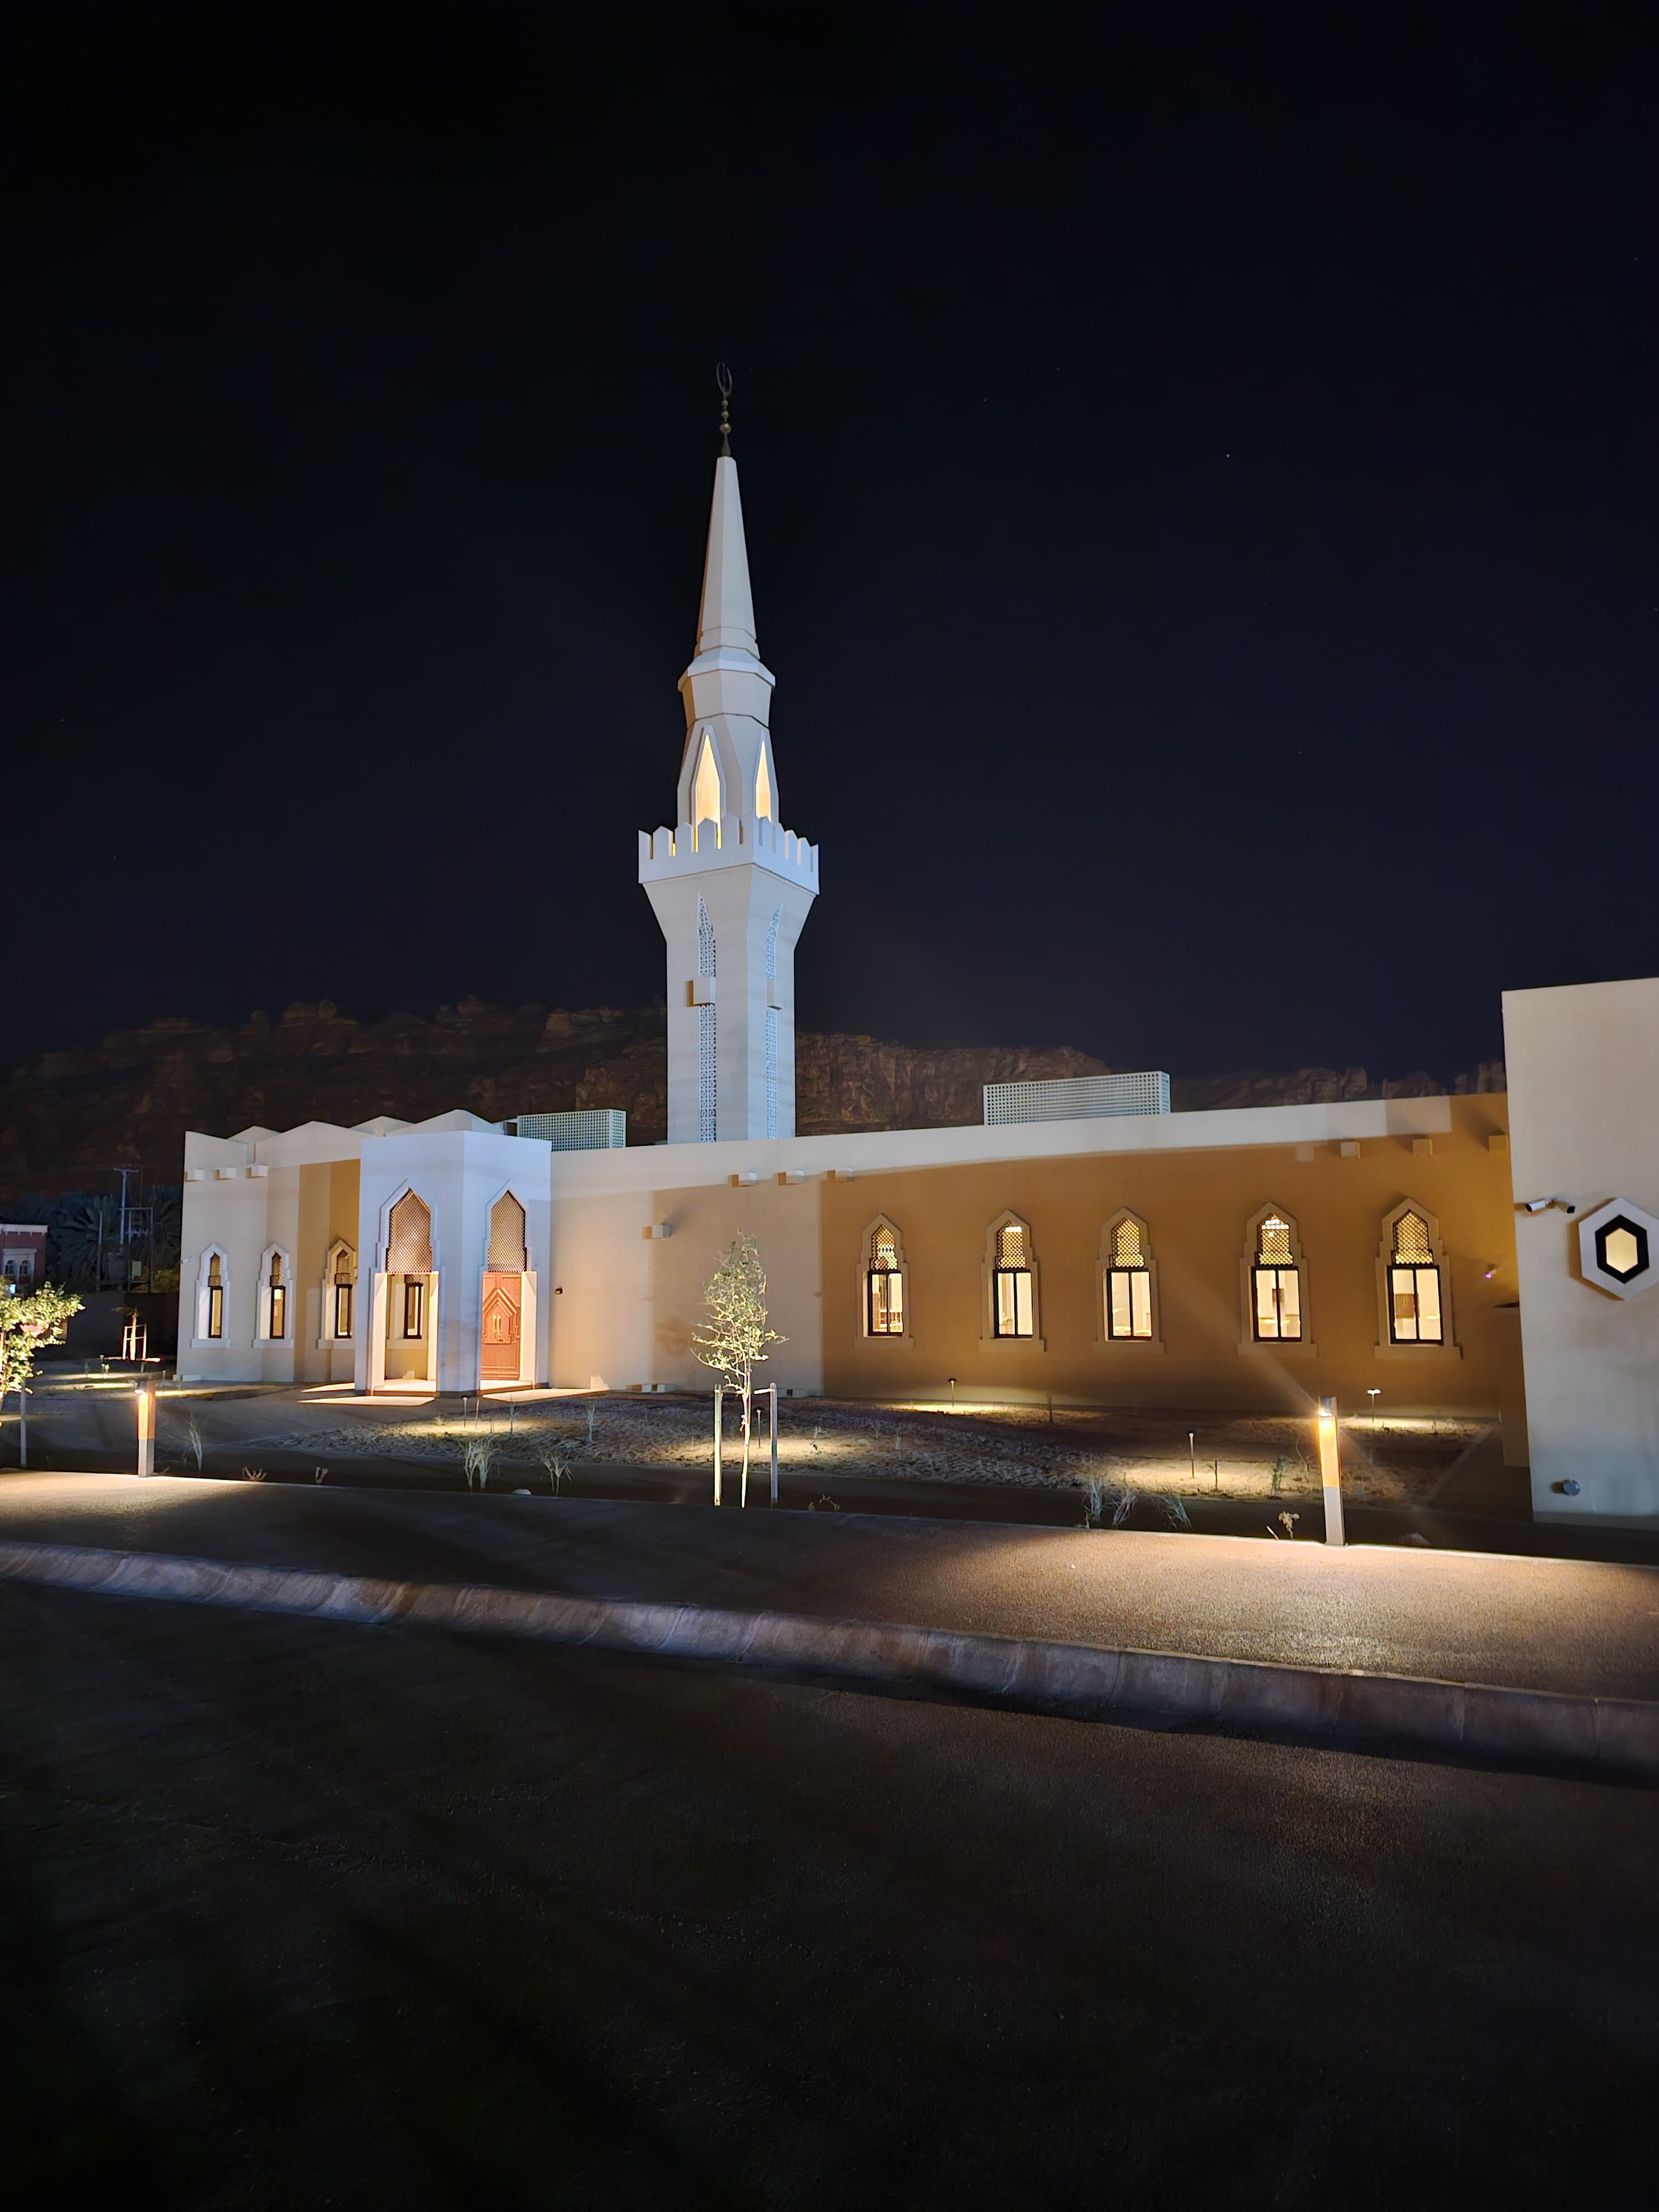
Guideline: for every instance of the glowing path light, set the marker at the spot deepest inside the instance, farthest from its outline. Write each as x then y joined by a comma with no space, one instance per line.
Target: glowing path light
1330,1471
146,1397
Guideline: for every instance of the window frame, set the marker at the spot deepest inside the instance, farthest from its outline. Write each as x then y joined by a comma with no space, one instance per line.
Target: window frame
1153,1342
1252,1265
273,1315
1388,1346
990,1299
867,1274
212,1302
415,1291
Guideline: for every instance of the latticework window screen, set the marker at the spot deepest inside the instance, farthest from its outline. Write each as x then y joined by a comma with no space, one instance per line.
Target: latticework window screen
1126,1246
1411,1241
1012,1247
345,1265
409,1237
883,1248
506,1235
1275,1245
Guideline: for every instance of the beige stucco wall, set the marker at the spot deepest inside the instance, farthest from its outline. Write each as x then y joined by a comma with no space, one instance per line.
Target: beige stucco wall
1196,1204
326,1210
1584,1065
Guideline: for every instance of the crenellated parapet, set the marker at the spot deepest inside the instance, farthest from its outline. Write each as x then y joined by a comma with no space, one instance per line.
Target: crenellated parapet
686,851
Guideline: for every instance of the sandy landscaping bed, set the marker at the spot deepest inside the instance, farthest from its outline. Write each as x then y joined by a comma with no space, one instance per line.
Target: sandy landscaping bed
1237,1456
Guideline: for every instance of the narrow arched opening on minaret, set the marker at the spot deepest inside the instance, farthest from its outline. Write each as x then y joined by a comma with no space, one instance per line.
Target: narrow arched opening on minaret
706,792
765,807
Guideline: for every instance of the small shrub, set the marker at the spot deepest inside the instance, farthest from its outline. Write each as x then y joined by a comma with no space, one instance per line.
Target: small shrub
253,1475
555,1453
477,1457
320,1474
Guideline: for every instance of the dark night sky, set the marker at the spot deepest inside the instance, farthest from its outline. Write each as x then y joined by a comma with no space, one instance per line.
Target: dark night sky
1199,466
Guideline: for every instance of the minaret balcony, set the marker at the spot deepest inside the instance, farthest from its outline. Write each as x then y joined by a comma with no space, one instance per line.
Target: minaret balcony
740,841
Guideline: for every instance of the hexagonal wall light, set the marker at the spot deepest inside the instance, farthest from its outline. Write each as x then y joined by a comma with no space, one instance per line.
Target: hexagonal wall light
1618,1248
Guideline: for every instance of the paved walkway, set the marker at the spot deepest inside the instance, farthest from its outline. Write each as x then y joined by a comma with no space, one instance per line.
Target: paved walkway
1533,1623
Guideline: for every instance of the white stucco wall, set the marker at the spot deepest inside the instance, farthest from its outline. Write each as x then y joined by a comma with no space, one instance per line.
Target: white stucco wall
1584,1079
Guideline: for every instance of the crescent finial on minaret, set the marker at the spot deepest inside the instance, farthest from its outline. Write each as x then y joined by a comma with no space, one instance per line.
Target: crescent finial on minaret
723,380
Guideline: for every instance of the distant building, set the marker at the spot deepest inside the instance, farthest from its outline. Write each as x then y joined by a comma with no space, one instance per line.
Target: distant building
1121,1254
22,1254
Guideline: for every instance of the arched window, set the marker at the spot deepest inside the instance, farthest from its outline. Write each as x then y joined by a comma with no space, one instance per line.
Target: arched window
1129,1282
765,805
706,792
1416,1309
883,1283
1276,1300
409,1254
1013,1282
271,1303
214,1303
506,1250
341,1290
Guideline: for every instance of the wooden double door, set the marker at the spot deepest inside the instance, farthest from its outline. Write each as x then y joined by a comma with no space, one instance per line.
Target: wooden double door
502,1349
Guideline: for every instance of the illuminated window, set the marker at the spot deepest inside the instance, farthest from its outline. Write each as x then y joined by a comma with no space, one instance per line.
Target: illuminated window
1014,1303
216,1297
883,1284
1129,1284
342,1275
276,1292
1415,1314
414,1306
1275,1283
764,806
706,792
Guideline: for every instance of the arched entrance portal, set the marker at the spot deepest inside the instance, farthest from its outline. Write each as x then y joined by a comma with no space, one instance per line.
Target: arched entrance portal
501,1337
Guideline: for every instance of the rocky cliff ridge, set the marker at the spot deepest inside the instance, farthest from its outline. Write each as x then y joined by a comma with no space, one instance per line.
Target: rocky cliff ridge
67,1119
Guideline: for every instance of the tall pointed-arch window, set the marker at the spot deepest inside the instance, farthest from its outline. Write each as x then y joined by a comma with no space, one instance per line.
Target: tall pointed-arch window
505,1234
1129,1283
1013,1282
1416,1311
765,805
342,1290
216,1297
1275,1282
277,1298
883,1283
706,790
409,1254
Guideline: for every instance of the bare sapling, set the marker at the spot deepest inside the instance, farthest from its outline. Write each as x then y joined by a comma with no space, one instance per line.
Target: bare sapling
734,1338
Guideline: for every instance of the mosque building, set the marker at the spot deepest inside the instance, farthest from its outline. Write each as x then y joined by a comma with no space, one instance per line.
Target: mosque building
1472,1256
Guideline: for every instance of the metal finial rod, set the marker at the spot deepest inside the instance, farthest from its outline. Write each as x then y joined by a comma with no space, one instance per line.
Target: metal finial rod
723,381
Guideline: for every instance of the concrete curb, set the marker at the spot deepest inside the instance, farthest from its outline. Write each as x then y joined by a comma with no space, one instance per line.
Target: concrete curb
1465,1720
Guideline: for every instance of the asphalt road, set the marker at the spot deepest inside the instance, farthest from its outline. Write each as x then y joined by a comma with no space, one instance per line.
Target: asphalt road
299,1914
1576,1625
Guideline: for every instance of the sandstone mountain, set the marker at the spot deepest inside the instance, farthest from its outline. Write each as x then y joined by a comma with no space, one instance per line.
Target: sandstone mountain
65,1121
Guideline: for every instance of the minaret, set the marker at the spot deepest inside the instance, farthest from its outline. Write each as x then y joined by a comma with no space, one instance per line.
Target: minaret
729,886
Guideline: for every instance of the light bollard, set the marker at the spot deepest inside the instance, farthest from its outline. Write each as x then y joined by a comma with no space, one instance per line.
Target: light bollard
1330,1471
146,1428
720,1401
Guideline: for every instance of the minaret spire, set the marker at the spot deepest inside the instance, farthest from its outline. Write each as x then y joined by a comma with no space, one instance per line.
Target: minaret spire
730,887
